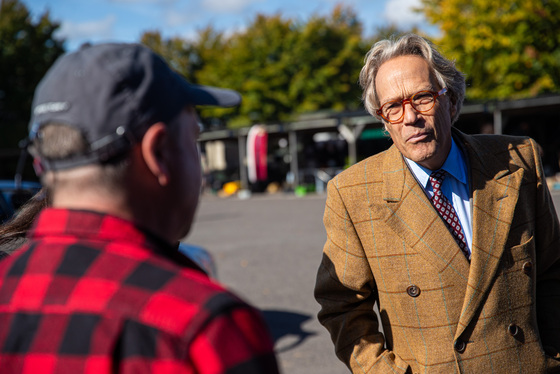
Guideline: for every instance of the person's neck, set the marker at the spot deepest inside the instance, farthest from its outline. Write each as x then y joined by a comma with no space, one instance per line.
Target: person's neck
435,163
94,202
141,215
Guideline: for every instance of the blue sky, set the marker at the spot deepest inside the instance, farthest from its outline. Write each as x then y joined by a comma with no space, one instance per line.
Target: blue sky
126,20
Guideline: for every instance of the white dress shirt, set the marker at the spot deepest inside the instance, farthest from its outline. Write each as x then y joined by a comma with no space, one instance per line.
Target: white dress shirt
455,186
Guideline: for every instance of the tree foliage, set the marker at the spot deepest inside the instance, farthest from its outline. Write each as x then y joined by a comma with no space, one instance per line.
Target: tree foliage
259,63
331,51
176,51
27,49
508,48
189,57
282,67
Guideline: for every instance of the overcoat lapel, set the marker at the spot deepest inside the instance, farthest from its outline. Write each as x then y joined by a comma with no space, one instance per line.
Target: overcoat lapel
494,196
412,217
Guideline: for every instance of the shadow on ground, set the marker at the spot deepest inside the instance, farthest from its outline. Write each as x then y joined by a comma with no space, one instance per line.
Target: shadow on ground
284,324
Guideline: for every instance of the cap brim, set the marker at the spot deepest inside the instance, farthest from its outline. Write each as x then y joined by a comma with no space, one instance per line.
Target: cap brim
206,95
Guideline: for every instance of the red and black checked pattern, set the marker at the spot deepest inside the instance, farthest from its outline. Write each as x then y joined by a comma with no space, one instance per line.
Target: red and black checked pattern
93,294
446,211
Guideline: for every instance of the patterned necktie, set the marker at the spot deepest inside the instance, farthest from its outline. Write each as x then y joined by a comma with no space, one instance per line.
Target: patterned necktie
446,211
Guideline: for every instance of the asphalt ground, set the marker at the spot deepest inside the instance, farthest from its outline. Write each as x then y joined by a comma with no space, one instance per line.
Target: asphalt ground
267,249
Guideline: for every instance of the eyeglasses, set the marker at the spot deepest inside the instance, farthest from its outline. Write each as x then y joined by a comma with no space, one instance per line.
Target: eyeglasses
422,102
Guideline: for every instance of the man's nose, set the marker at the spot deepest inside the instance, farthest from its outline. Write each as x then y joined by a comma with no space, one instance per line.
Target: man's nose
410,114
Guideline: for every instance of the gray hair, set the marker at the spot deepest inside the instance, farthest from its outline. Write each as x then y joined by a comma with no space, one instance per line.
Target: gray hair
411,44
58,141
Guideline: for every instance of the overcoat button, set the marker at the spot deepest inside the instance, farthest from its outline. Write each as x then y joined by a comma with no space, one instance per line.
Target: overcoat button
528,267
460,346
413,290
513,329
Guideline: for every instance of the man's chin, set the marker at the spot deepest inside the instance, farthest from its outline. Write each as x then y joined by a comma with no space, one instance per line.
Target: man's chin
423,156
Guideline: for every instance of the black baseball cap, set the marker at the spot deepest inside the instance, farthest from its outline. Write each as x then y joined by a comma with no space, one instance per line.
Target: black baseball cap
112,93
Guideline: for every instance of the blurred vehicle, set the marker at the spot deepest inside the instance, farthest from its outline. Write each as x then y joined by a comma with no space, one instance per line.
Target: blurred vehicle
200,256
13,196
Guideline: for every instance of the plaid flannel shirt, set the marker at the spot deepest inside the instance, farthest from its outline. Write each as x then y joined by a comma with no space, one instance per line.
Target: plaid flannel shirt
91,293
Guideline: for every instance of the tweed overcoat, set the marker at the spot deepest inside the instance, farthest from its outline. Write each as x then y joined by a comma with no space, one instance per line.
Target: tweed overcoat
386,244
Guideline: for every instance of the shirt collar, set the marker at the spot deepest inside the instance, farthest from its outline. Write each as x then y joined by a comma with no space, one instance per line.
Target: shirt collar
454,165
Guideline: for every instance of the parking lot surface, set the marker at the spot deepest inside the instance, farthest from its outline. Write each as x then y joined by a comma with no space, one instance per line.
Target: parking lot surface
267,249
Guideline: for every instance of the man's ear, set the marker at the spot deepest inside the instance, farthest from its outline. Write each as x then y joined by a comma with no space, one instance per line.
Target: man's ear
153,148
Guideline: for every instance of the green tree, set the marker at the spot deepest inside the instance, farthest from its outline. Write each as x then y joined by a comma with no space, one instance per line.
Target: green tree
258,63
27,49
176,51
508,48
393,31
330,53
282,67
189,58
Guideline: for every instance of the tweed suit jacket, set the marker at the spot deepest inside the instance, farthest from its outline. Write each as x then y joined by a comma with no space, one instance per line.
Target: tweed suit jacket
386,244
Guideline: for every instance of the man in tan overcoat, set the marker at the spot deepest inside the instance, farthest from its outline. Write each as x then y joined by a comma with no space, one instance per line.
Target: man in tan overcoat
453,236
